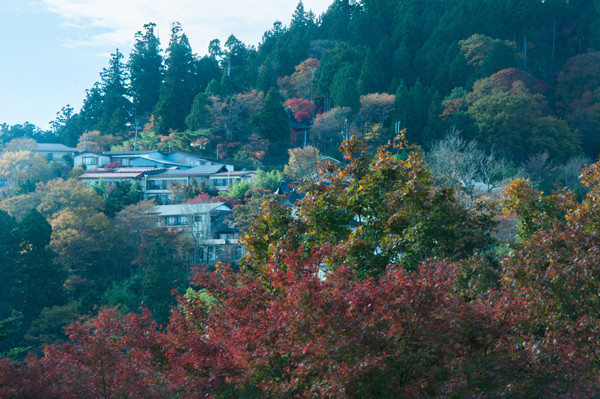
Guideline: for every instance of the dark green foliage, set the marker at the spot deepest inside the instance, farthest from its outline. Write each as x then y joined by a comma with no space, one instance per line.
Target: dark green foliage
38,279
272,121
48,327
120,195
237,64
31,279
501,56
116,107
160,277
336,21
180,85
25,130
207,69
343,55
198,116
368,82
125,294
9,251
146,71
343,90
92,110
8,328
67,126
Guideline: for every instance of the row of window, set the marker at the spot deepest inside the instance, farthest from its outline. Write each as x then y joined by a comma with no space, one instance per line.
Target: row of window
181,220
176,220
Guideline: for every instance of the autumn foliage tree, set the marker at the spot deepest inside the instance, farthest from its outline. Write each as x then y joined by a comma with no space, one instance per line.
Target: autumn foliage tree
555,268
406,334
303,110
379,210
330,304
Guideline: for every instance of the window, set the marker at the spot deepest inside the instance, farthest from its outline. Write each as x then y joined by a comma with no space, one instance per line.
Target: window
158,184
220,182
213,253
49,157
176,220
171,220
237,252
89,160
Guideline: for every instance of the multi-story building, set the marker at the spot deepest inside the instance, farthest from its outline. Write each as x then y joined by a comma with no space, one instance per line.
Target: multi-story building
209,226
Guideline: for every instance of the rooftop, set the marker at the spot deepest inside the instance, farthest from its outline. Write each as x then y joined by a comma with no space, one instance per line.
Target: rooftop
187,209
203,170
125,153
55,147
111,175
236,173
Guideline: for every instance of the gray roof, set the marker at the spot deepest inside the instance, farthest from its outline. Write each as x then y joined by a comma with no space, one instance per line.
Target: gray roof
55,147
124,153
235,173
187,209
111,175
146,170
203,170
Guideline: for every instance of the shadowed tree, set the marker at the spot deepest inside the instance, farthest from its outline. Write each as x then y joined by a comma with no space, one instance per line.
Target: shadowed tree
180,84
146,71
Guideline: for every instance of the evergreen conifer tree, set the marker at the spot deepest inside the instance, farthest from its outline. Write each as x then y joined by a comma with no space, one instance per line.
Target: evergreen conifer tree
158,283
116,107
272,120
367,82
180,85
146,71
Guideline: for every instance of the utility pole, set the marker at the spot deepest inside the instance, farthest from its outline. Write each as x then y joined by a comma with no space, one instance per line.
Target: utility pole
312,77
136,130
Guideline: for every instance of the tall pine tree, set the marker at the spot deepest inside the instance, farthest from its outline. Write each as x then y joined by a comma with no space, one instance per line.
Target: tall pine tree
146,71
180,85
116,107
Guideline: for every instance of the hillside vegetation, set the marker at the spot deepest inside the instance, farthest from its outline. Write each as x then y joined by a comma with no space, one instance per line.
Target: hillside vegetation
451,250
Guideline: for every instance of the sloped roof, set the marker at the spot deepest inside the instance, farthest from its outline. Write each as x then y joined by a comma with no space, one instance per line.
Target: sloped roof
55,147
235,173
111,175
145,170
187,209
327,158
203,170
163,161
123,153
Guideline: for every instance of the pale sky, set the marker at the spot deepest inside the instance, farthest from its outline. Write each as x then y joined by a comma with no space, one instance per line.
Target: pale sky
51,51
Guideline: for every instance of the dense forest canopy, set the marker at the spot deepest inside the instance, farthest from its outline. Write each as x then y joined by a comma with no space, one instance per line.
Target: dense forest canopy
517,75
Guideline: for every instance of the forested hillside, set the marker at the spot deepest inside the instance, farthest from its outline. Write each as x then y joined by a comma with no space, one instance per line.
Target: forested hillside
518,75
447,248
